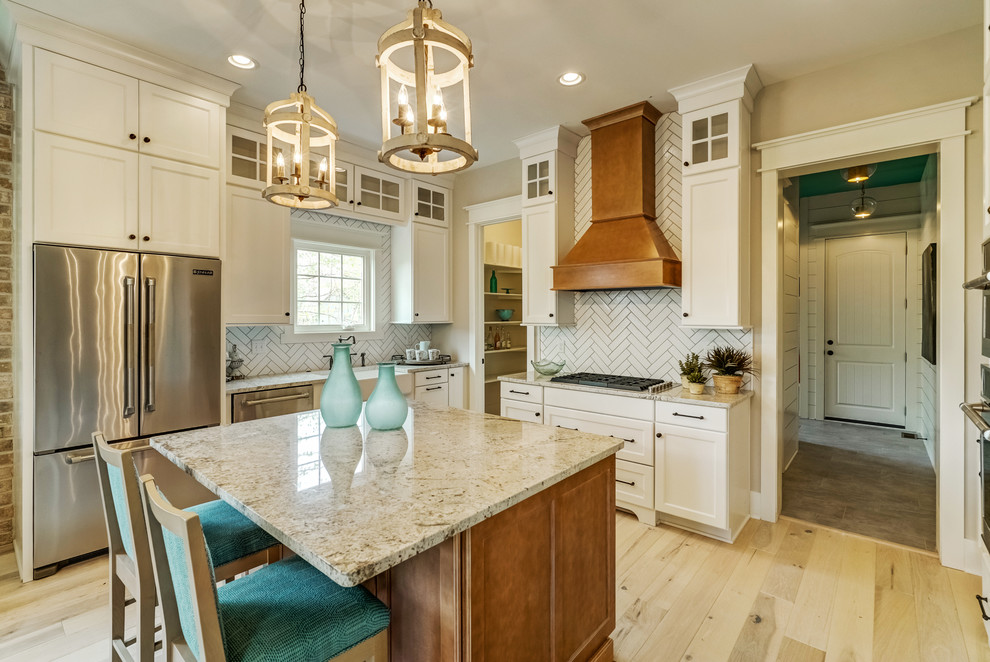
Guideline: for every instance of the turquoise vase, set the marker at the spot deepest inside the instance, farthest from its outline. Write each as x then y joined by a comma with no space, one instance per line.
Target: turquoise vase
340,402
387,408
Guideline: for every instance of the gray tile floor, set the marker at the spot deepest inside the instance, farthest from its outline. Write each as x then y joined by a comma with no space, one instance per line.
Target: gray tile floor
865,480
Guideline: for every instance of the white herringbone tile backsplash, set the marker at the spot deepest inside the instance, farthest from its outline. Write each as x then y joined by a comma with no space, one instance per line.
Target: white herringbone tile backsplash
271,356
634,332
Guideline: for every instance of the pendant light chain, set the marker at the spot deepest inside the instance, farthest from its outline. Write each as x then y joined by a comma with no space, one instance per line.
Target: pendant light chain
302,46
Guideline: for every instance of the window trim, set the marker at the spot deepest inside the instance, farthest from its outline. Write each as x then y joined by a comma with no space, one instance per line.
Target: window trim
311,333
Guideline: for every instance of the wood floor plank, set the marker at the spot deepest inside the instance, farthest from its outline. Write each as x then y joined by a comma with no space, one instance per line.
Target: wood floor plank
784,577
850,637
768,536
762,636
939,632
895,626
965,588
795,651
813,604
894,569
722,624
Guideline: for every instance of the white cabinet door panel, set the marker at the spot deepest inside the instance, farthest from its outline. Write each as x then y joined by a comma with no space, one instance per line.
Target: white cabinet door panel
691,474
77,99
180,208
539,254
522,411
178,126
431,274
710,293
638,435
456,392
256,268
435,395
85,193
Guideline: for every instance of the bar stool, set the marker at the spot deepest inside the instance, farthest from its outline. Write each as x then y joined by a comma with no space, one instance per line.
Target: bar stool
288,610
236,545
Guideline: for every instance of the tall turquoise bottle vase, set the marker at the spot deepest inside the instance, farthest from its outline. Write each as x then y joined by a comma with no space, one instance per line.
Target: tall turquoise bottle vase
493,283
340,402
387,407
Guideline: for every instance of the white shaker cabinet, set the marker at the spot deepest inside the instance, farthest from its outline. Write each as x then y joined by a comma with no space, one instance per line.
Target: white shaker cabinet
539,179
430,204
436,395
179,207
256,268
379,194
456,388
420,274
541,250
710,138
178,126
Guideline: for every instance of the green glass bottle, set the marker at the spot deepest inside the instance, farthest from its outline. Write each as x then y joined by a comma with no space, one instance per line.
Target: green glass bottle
493,283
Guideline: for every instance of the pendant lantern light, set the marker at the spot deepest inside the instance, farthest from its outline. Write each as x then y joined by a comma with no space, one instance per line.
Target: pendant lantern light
424,64
858,174
864,206
304,134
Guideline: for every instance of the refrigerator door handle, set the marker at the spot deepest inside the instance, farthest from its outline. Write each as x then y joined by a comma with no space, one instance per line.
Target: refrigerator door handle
80,456
149,346
129,348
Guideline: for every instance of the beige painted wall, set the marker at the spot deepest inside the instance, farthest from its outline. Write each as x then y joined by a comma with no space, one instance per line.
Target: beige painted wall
491,182
505,233
936,70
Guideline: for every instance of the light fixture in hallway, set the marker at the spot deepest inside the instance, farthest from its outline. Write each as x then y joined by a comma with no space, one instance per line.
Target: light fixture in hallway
863,206
857,174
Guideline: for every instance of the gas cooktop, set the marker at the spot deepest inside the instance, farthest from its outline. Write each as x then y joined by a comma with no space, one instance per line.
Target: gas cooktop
609,381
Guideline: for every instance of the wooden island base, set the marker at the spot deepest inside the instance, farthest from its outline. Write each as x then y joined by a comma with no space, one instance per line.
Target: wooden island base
534,582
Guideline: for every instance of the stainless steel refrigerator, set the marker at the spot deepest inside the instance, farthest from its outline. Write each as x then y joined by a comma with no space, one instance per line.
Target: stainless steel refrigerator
125,343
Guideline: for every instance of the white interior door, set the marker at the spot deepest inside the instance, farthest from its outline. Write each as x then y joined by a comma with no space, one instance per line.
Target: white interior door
865,359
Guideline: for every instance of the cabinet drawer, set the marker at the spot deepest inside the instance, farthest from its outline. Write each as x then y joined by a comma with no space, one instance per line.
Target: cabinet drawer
522,411
638,435
431,377
601,403
522,392
693,416
434,395
633,484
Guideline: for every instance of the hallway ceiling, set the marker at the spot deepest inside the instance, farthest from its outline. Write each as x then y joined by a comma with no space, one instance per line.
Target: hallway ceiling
889,173
630,50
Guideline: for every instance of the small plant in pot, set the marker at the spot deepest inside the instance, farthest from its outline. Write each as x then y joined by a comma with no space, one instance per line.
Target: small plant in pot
729,365
696,381
690,364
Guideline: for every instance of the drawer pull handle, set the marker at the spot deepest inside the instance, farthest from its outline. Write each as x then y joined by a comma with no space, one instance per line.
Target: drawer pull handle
435,377
281,398
519,392
630,483
981,600
700,418
435,388
628,441
566,428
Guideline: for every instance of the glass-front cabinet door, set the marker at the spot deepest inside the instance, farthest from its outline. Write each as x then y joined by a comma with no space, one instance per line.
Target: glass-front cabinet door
379,194
710,138
430,204
539,179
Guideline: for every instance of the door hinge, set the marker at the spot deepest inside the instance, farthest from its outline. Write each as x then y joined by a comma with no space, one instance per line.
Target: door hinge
905,357
905,304
905,410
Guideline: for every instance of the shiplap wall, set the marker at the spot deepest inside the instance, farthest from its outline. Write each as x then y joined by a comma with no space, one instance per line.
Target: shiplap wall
634,332
927,373
790,323
272,354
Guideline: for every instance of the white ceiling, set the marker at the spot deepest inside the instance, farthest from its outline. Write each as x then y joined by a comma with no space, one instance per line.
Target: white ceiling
630,49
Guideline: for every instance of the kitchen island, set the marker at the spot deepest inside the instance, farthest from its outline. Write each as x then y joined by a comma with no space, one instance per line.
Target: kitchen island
490,539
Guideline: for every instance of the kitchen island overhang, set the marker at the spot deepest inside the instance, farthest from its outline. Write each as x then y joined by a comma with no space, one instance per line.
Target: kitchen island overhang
487,536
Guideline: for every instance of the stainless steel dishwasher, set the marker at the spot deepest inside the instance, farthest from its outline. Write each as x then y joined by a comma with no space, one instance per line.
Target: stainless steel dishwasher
271,402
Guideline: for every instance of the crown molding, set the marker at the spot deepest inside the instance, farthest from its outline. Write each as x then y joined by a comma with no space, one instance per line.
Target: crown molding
742,84
553,139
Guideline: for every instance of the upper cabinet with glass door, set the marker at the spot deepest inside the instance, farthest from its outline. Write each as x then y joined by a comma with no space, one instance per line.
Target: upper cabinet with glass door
710,138
539,179
379,194
430,204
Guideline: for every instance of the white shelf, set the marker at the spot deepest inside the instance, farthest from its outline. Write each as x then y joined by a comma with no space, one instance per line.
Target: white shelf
501,269
501,323
502,351
503,295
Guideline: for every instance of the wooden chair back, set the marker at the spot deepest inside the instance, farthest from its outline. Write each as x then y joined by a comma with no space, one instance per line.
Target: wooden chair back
182,572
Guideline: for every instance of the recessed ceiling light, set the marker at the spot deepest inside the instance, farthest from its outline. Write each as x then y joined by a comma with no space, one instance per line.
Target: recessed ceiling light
571,78
242,61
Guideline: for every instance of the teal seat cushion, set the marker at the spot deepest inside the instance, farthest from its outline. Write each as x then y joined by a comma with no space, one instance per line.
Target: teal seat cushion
290,611
229,534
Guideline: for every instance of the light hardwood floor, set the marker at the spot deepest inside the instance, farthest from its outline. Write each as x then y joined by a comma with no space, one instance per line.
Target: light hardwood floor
789,591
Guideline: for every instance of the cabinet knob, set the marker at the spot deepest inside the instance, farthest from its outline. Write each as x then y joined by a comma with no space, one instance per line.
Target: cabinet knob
537,414
146,238
659,435
287,315
359,203
830,352
686,163
132,236
685,314
132,136
416,314
549,192
551,314
147,139
828,342
416,214
350,202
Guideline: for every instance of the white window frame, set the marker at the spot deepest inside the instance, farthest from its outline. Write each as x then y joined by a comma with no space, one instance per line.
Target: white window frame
317,333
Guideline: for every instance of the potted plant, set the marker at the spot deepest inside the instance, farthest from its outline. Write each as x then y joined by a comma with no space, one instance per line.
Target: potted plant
696,381
690,364
729,365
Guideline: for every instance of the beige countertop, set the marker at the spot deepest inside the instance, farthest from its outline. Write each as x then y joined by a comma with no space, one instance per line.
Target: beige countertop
262,382
354,502
675,394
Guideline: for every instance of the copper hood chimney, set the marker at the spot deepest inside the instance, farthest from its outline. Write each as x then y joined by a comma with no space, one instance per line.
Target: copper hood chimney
623,249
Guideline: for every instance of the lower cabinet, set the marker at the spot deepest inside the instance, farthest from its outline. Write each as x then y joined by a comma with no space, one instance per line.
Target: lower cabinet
434,395
443,387
456,391
522,411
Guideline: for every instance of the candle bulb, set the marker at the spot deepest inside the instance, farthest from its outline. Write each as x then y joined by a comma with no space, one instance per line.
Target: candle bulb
442,125
404,115
280,168
323,172
438,114
297,165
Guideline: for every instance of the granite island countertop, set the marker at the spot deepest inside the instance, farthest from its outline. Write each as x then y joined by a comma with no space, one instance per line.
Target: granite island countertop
354,501
676,394
285,380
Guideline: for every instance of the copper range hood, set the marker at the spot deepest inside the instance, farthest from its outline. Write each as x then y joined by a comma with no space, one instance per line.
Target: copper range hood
623,249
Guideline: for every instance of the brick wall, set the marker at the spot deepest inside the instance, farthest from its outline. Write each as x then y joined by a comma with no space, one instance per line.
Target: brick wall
6,315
